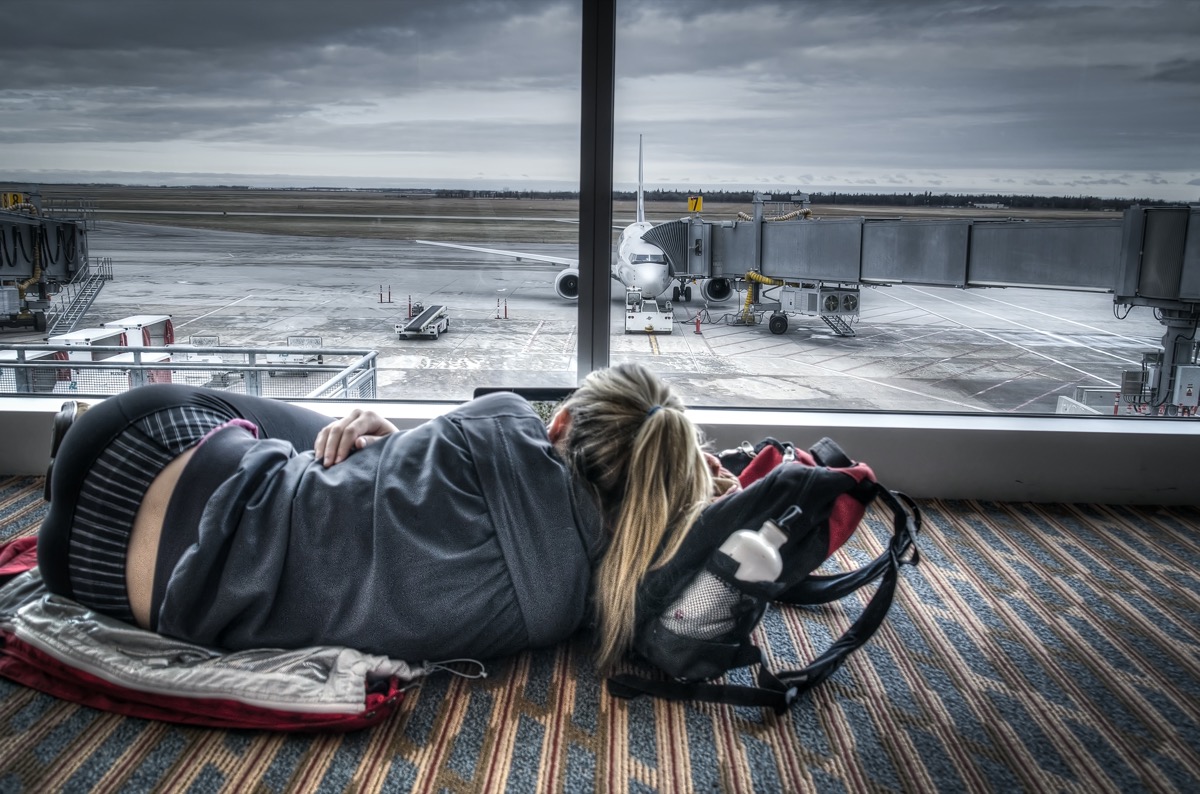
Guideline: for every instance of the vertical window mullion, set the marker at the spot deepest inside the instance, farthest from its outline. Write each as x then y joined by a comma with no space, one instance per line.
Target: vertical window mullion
595,182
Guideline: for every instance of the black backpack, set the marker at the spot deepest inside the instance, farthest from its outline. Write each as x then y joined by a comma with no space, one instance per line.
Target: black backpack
694,617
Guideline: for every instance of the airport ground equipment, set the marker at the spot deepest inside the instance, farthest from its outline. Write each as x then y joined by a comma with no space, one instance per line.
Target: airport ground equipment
646,315
47,280
146,330
430,322
199,349
92,344
836,305
294,360
82,343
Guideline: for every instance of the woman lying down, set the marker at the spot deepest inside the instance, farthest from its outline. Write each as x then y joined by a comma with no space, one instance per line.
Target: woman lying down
240,522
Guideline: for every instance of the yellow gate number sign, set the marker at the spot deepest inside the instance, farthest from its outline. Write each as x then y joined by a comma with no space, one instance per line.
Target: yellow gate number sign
11,199
695,203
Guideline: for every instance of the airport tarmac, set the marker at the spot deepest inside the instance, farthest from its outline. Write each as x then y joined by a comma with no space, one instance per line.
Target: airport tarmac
916,349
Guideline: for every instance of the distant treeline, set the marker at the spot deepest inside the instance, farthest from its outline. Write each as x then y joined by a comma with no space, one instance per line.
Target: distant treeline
925,199
930,199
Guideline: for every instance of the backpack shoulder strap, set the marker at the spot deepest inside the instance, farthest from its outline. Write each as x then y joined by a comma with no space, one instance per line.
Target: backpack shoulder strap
906,524
826,452
906,518
770,693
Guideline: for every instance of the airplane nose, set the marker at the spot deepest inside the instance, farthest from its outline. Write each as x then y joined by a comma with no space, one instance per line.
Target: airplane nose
653,279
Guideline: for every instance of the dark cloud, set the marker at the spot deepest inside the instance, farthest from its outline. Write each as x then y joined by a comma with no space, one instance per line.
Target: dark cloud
1097,182
1179,70
277,57
224,26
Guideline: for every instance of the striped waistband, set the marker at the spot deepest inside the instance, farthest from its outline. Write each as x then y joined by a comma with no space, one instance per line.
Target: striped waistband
111,494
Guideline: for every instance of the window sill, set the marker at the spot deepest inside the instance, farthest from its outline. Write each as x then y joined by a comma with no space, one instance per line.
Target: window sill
999,458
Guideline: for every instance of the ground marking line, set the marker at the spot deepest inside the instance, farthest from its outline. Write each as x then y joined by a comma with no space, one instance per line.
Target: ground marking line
1063,319
214,311
1009,342
831,371
1026,373
1058,337
533,336
1040,396
909,340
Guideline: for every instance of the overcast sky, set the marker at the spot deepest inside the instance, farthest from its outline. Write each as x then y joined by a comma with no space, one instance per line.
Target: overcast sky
1097,97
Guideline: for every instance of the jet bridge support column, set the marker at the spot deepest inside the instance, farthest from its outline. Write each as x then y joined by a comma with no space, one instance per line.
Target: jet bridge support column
758,231
1178,344
1160,269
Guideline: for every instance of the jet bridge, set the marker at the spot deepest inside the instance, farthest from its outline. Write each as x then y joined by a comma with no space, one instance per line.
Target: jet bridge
42,250
791,263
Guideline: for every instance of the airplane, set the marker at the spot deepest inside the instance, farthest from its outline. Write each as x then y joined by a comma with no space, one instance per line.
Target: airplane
641,267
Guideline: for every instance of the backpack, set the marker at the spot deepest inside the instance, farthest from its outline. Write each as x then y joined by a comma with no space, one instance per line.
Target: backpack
694,618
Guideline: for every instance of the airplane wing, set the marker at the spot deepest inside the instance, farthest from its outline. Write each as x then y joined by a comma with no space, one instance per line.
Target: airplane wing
558,260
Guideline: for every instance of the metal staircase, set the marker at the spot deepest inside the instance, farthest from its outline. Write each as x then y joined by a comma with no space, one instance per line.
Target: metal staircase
839,325
76,297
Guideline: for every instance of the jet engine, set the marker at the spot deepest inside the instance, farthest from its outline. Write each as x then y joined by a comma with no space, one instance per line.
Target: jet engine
567,284
716,289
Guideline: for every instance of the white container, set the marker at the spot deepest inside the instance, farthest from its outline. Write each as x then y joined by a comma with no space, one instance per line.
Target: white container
146,330
757,552
705,610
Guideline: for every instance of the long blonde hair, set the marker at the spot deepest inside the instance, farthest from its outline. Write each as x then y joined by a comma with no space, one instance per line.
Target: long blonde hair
631,442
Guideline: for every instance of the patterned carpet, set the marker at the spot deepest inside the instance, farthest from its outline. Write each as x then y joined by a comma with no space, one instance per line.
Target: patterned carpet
1036,648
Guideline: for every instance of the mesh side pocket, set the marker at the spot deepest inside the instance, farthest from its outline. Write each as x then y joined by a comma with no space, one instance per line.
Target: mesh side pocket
704,611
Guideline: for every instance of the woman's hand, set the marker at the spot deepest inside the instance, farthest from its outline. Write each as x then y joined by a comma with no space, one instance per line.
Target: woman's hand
725,482
355,430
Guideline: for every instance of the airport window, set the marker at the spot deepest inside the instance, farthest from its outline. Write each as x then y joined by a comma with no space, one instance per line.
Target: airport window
914,209
287,190
910,207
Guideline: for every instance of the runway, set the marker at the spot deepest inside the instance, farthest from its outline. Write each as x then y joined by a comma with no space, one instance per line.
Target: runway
916,349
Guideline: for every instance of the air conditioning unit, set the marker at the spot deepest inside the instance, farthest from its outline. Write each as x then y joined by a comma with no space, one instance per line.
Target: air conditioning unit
842,302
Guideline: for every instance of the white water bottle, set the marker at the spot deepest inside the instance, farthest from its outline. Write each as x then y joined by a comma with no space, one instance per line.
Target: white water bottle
757,552
704,611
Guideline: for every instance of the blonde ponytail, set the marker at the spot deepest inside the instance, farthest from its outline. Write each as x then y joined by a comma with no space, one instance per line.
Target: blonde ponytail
632,443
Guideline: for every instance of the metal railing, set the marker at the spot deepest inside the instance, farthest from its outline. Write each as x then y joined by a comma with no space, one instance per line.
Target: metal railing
66,208
289,372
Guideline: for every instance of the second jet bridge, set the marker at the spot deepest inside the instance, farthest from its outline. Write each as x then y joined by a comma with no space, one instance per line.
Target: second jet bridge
1077,255
1148,257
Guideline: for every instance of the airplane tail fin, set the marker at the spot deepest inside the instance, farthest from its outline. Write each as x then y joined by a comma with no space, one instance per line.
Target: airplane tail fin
641,201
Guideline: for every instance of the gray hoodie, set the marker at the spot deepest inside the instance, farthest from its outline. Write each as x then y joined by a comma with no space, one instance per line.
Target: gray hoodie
464,537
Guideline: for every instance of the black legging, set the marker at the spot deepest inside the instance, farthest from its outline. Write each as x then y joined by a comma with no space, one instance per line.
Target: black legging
97,428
